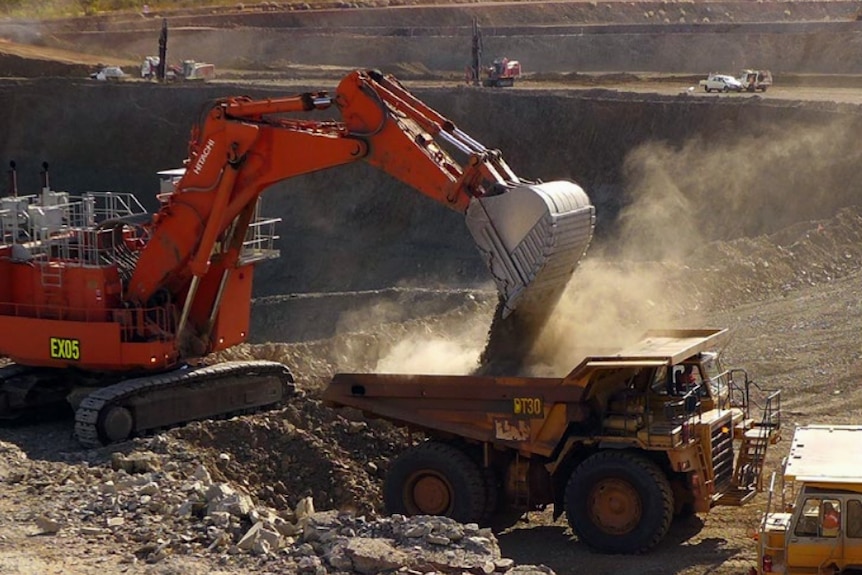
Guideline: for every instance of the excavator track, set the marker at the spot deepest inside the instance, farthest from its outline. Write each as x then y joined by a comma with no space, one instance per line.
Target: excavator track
135,406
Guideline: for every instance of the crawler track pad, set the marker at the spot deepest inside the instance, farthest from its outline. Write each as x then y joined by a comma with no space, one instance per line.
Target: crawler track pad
139,405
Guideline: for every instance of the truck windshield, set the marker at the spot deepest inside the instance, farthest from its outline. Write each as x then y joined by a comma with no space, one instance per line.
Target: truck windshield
854,519
714,377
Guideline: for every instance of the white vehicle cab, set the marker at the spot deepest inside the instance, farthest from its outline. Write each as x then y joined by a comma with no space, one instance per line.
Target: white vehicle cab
109,73
721,83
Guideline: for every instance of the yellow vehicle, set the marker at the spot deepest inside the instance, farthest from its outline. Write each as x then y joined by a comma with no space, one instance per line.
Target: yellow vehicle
817,526
620,445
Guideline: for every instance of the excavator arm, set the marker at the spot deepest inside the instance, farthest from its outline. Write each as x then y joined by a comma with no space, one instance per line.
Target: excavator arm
531,235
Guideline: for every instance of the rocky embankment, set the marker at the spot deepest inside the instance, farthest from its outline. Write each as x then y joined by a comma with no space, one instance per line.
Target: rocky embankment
160,504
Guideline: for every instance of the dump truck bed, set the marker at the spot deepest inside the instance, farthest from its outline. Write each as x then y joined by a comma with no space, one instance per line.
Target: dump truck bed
523,412
476,407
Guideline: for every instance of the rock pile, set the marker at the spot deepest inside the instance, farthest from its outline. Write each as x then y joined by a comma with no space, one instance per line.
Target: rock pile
302,450
161,505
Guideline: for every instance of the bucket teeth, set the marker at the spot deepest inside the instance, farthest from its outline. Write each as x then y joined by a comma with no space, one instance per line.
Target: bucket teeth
532,238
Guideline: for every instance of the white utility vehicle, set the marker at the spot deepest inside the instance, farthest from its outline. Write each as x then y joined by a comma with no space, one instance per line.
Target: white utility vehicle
721,83
109,74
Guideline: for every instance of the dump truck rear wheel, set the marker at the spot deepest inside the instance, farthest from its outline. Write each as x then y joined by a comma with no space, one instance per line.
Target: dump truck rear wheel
619,502
435,479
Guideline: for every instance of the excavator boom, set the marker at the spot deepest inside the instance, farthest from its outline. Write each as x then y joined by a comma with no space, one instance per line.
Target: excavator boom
531,235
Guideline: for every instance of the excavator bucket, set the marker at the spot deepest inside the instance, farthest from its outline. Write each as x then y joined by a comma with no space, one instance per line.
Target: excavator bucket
532,237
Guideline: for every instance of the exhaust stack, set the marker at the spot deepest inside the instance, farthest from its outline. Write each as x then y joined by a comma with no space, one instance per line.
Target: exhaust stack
13,180
44,174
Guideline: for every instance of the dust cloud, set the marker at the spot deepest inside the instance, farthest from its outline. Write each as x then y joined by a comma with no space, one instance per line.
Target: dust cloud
27,32
449,344
435,356
727,186
605,307
359,320
677,200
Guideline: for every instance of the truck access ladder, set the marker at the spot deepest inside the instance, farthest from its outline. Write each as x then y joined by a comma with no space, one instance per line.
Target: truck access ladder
756,437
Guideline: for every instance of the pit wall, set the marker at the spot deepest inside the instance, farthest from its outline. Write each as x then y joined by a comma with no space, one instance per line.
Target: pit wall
685,37
409,14
354,228
822,49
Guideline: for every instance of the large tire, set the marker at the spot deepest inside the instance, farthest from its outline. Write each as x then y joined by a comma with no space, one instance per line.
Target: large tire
435,479
619,502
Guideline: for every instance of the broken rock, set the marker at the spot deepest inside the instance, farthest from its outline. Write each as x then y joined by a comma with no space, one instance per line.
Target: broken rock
371,556
47,525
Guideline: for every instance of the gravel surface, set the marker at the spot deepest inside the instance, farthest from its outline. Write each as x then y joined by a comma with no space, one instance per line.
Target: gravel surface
297,490
141,507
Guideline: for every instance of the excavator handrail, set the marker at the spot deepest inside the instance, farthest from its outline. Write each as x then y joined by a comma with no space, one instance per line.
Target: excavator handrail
131,321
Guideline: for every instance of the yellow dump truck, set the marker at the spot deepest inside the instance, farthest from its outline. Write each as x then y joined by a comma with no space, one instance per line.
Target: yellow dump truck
621,444
813,525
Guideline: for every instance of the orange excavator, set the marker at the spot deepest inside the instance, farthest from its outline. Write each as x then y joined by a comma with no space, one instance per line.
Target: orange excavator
108,308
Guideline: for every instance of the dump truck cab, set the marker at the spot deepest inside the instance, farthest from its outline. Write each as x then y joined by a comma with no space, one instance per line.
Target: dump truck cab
814,523
669,397
621,444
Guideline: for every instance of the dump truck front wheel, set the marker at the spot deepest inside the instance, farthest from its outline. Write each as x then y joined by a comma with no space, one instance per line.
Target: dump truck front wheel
619,502
435,479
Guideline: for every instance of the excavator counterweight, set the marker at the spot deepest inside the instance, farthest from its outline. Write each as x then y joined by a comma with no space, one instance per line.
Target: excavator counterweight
112,307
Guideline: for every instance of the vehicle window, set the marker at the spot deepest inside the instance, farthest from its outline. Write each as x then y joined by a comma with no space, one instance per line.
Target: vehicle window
660,381
696,381
713,377
854,519
830,518
807,524
703,389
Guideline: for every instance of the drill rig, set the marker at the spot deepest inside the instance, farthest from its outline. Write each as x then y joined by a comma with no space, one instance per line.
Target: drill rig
108,308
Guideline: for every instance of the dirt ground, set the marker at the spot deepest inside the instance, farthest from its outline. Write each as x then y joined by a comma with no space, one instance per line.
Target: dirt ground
781,267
